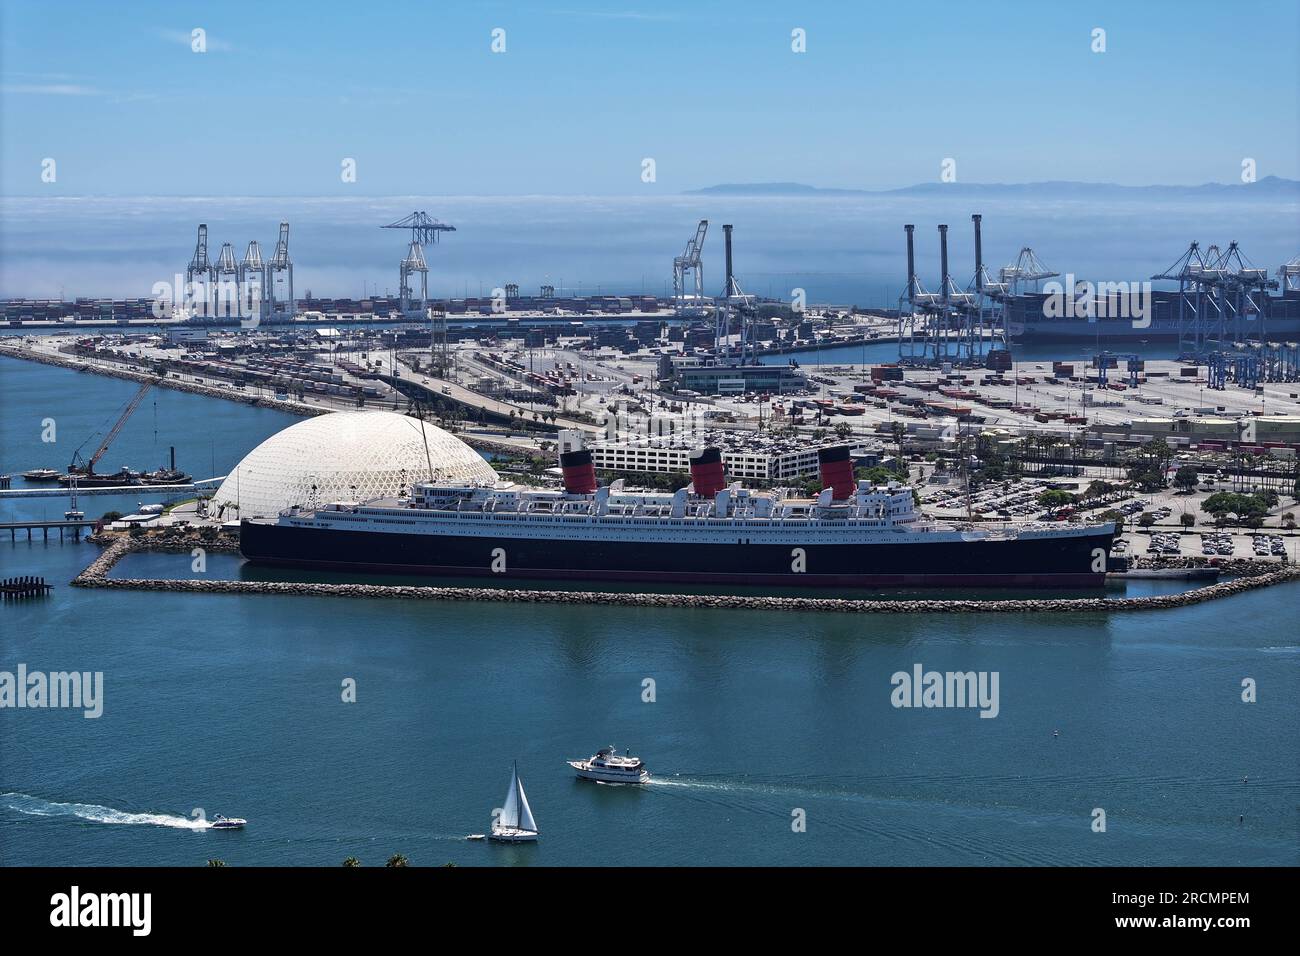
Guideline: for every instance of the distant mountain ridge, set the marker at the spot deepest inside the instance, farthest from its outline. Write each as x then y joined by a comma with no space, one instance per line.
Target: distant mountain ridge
1267,187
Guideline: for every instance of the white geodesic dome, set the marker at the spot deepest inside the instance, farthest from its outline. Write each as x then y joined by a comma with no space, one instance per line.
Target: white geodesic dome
347,456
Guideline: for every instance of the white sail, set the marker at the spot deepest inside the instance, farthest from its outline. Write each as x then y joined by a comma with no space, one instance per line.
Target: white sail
526,821
510,810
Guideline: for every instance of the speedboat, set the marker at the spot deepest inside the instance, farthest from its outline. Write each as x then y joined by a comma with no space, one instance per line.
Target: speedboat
607,766
227,823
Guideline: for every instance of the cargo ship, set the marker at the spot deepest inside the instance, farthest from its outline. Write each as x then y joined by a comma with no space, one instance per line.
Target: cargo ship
852,535
1029,320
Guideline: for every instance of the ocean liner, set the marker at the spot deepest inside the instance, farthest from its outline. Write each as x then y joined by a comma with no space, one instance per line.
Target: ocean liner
852,535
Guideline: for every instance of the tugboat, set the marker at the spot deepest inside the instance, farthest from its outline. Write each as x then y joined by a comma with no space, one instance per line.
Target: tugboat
42,474
516,823
227,823
606,766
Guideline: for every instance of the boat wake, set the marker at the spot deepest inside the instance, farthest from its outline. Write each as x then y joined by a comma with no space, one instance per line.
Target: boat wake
36,807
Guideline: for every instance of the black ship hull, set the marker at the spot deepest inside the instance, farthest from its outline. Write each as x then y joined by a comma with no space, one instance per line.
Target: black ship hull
1057,561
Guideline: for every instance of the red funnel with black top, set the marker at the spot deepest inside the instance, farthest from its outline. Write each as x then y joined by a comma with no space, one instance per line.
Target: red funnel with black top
579,472
836,466
707,472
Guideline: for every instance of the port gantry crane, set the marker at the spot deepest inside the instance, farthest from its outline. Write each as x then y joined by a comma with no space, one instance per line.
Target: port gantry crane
199,268
1026,271
990,299
690,261
1187,271
733,299
424,231
1289,275
280,264
951,320
1243,288
87,468
1220,296
252,279
231,287
226,293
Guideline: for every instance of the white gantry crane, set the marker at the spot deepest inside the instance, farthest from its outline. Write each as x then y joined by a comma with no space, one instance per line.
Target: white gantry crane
252,281
690,262
1027,271
424,231
279,274
198,277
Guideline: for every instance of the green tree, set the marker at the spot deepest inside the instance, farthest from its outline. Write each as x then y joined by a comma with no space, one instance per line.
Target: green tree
898,429
1223,503
1098,488
1054,498
1188,519
1146,519
1186,478
1159,453
878,475
1146,477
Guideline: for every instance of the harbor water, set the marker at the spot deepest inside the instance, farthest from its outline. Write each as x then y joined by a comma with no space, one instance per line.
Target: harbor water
772,736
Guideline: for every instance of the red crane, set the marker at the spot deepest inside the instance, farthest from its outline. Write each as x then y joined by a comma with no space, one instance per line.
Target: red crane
88,468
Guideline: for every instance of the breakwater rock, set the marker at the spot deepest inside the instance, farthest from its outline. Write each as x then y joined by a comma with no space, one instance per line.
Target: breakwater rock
1229,567
96,576
81,365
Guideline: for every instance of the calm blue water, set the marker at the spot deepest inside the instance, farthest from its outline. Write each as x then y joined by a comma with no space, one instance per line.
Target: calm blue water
233,704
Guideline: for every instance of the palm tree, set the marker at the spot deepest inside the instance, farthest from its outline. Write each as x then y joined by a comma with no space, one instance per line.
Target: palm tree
352,861
216,862
898,430
397,860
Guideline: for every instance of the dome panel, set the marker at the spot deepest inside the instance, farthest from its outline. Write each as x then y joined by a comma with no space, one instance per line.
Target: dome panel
346,456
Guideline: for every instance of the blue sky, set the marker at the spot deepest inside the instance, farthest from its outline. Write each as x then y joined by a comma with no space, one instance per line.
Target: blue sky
585,91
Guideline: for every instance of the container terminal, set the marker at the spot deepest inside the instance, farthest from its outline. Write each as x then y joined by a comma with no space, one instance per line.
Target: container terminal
981,433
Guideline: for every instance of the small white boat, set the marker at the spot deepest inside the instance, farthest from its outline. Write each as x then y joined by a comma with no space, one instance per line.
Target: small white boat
227,823
516,823
607,766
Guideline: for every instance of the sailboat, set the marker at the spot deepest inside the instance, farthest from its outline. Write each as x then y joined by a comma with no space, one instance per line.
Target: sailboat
515,824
